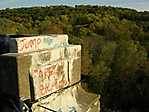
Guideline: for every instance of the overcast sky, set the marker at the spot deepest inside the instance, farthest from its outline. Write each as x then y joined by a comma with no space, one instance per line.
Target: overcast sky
141,5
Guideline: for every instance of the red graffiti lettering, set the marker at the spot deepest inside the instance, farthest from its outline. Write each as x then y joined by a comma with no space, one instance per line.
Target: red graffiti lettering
47,88
38,41
44,89
25,44
62,83
51,81
46,72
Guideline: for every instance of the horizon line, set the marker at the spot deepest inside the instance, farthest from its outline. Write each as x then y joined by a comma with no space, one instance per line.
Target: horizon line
74,6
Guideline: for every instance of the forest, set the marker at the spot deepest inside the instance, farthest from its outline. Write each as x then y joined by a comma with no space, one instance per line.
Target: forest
115,47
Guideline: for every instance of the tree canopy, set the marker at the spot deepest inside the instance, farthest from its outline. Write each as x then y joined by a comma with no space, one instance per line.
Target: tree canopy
115,47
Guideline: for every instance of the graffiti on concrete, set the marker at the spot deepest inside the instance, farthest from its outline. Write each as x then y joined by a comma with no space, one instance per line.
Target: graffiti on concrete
72,109
25,44
46,88
50,78
49,41
45,72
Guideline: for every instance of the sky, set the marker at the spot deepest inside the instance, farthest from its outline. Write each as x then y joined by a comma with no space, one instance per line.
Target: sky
140,5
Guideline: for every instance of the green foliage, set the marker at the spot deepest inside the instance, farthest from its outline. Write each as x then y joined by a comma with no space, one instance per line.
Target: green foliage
10,27
129,56
127,77
115,47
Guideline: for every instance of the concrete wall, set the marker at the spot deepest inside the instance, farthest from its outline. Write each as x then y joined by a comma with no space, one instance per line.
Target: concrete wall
73,99
49,70
41,66
24,44
14,76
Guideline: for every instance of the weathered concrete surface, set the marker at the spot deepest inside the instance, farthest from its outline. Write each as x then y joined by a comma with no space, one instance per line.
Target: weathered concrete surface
46,71
42,65
73,51
14,44
74,70
49,78
49,70
14,76
55,69
73,55
73,99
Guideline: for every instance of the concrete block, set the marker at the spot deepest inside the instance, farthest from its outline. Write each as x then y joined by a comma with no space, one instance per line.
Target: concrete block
73,51
73,54
74,70
73,99
23,44
45,57
49,78
14,76
45,70
40,64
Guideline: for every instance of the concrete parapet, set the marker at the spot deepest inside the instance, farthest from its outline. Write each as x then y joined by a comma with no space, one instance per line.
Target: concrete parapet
45,70
49,78
22,44
74,60
73,99
38,66
14,76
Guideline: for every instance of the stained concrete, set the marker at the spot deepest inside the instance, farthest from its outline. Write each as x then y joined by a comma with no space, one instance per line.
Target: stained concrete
23,44
14,76
73,99
44,67
36,67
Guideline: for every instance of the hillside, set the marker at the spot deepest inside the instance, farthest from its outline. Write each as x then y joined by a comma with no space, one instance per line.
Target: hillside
115,47
11,27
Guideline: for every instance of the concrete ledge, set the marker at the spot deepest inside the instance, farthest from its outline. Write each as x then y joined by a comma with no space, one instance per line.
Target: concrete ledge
71,99
14,44
45,70
14,76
